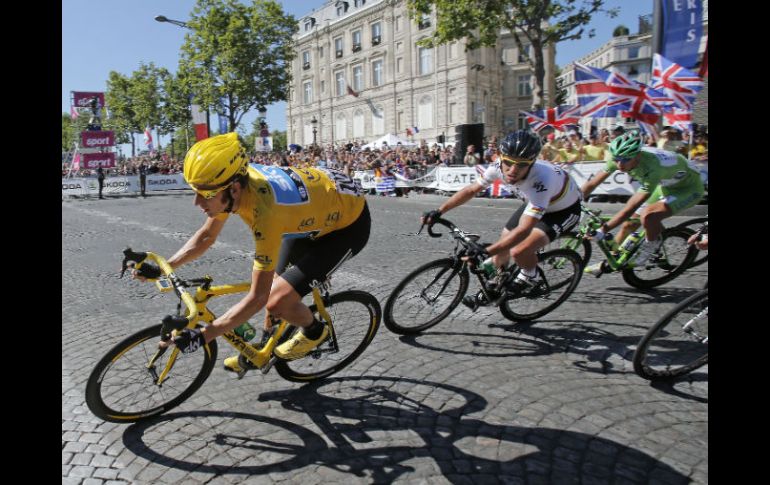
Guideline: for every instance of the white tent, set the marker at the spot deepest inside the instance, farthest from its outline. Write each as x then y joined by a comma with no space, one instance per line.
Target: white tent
389,139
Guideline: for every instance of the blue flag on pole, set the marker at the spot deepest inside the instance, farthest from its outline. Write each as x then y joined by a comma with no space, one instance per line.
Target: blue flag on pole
682,30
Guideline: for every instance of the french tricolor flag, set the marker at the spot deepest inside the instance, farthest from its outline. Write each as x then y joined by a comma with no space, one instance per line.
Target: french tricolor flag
199,122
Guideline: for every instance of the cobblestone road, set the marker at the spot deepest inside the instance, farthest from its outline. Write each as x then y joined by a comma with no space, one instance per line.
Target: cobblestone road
476,399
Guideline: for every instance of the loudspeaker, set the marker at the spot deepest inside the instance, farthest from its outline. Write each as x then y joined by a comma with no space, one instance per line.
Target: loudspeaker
470,134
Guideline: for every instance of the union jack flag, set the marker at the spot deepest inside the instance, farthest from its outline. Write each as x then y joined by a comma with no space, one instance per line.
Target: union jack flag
498,188
679,118
677,82
593,92
557,117
635,98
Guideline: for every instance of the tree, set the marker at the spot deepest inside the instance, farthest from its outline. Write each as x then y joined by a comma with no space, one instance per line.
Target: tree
538,22
176,110
560,97
70,130
237,57
620,30
119,98
146,91
279,140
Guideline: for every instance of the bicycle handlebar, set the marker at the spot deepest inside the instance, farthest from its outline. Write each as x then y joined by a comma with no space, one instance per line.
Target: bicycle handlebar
466,239
139,257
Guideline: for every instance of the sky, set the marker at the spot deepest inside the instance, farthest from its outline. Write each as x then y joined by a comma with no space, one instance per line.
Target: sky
99,36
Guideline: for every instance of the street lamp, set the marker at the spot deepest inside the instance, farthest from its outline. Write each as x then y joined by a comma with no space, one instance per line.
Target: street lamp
179,23
314,122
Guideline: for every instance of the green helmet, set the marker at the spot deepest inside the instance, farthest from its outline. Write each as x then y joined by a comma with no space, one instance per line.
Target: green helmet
626,145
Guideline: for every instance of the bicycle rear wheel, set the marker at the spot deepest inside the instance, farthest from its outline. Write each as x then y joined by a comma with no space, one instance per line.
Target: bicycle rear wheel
693,225
675,257
426,296
356,317
677,343
560,270
121,388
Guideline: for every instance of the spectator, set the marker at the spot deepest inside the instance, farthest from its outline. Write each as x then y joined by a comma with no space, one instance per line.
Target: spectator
669,141
595,150
471,157
143,178
100,179
550,150
700,151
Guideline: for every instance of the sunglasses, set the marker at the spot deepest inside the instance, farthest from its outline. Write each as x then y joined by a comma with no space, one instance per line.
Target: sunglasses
622,160
208,193
517,163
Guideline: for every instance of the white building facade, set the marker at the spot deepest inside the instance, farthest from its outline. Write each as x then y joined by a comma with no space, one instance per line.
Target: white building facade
360,74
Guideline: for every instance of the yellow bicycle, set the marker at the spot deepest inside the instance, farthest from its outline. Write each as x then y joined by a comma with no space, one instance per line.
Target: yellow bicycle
138,379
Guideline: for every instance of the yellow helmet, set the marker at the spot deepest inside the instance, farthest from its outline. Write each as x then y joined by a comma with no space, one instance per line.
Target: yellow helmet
212,164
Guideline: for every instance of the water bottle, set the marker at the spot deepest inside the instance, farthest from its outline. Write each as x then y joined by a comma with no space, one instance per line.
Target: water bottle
631,241
489,267
246,331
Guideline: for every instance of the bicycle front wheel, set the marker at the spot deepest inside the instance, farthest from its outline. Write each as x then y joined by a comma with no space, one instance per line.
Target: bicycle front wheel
675,257
560,271
677,343
121,388
426,296
571,240
356,317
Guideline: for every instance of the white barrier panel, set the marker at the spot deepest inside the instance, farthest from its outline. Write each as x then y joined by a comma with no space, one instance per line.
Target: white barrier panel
618,183
121,185
452,179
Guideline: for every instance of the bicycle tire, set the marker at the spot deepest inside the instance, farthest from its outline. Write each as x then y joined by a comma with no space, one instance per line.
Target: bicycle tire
702,256
127,361
352,338
398,323
637,276
571,240
569,282
651,364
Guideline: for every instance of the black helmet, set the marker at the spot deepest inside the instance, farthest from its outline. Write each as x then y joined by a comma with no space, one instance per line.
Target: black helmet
521,144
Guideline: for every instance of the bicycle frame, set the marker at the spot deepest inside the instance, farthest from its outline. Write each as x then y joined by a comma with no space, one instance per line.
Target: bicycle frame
199,312
617,257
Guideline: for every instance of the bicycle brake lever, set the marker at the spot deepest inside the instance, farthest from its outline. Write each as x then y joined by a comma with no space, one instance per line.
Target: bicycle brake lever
130,255
420,230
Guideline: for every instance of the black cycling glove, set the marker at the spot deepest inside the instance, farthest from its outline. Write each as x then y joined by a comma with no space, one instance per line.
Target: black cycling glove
477,252
431,216
189,340
149,271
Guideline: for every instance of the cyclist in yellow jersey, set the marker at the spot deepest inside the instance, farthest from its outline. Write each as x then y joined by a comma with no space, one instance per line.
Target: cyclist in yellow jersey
312,218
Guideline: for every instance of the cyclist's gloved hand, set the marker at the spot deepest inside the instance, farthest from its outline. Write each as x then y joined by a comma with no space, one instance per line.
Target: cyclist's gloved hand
149,271
599,235
430,216
189,340
477,252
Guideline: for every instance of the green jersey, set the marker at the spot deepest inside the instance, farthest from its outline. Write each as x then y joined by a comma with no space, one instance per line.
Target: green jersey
662,168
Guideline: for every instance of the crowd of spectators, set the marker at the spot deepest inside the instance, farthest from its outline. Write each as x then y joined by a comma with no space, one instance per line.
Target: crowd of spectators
415,161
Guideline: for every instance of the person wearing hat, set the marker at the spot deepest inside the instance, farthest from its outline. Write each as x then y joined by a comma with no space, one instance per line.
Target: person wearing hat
550,151
669,141
572,151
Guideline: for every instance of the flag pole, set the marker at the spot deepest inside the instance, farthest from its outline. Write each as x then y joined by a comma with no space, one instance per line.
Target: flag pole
71,156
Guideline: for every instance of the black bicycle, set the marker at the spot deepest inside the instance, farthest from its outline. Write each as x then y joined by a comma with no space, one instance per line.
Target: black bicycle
427,295
678,342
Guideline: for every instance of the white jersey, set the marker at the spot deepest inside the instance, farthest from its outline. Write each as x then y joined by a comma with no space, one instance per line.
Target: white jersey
547,188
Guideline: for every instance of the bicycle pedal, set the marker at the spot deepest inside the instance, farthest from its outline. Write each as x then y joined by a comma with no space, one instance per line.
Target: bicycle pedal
266,368
470,302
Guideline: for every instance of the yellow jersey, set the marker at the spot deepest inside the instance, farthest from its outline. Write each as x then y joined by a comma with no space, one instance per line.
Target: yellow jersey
289,202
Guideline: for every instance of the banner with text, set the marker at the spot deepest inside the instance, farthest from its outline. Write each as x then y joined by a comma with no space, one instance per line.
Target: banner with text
127,184
82,99
96,139
95,160
682,30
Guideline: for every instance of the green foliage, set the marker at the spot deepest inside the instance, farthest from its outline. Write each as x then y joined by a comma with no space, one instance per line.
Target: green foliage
237,56
561,94
534,22
279,140
70,130
620,30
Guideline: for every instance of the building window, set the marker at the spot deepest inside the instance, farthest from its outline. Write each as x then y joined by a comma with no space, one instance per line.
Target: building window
425,113
424,22
397,24
306,60
453,113
377,73
522,122
525,87
340,127
308,25
399,121
400,65
323,86
321,52
453,50
526,51
359,3
358,124
338,46
426,60
339,78
307,89
342,7
356,41
308,134
399,46
376,33
378,121
633,52
358,79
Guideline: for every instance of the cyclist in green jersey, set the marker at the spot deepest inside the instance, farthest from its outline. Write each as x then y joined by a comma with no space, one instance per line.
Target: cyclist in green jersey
668,186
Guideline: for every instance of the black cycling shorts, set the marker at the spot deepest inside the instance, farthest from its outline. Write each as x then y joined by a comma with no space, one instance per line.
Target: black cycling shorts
553,224
317,259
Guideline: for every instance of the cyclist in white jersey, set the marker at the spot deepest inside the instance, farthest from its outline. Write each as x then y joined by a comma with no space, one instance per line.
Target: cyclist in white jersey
553,204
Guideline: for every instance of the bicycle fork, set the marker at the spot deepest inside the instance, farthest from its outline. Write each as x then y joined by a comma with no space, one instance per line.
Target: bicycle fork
689,330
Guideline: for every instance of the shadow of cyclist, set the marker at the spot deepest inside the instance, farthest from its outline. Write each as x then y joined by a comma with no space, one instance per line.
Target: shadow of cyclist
383,429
